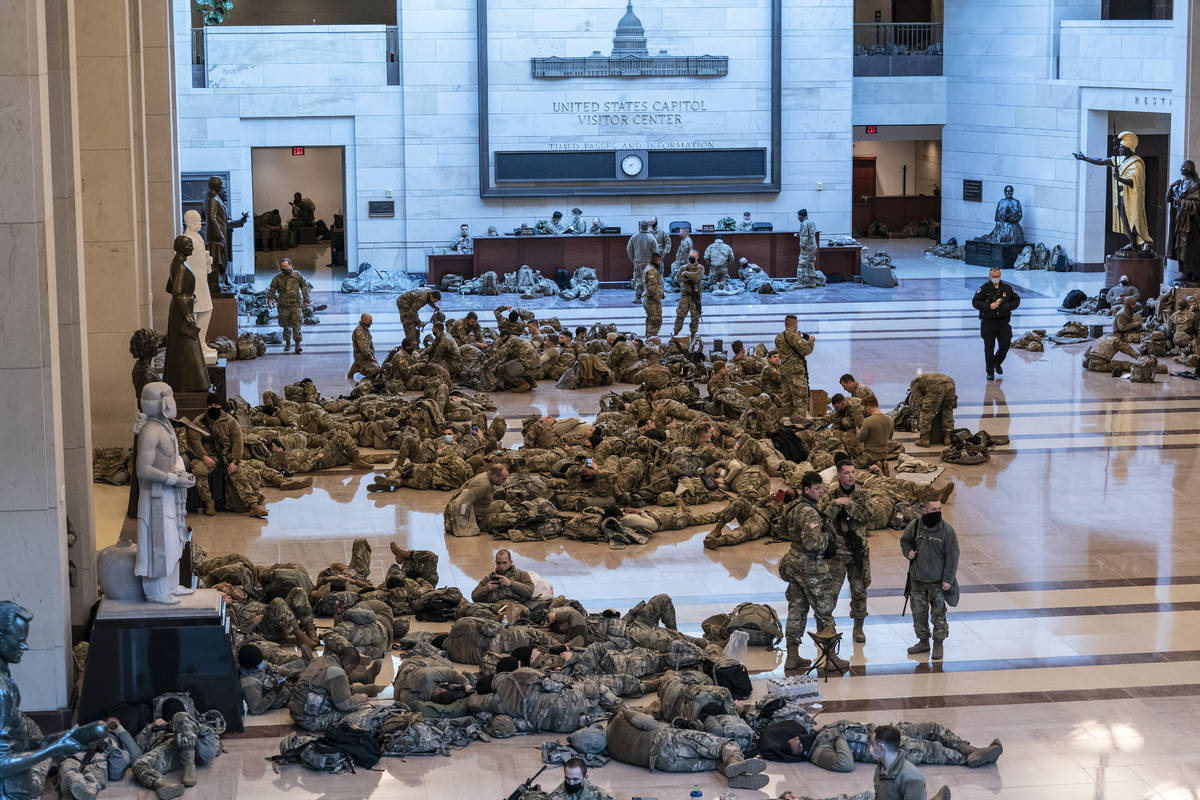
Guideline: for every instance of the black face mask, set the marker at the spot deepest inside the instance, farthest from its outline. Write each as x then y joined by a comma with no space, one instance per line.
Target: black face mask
213,413
691,260
932,518
573,788
1124,283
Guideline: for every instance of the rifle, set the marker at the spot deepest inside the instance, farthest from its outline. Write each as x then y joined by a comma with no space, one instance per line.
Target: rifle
520,791
907,591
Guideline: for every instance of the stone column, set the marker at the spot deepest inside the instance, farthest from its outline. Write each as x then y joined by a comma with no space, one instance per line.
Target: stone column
33,571
72,318
1184,49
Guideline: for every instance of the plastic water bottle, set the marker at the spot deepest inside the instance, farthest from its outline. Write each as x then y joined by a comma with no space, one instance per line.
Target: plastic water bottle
696,792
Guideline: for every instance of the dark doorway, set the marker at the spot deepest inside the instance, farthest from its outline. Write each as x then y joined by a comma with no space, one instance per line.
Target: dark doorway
912,11
1153,148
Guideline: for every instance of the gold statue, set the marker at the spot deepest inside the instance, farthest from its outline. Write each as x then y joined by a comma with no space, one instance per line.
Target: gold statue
1129,193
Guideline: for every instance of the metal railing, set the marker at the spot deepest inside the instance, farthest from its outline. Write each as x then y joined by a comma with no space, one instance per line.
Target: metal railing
897,48
199,59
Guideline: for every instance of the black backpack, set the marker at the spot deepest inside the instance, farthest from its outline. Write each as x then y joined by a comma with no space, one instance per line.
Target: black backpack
355,742
735,678
1074,299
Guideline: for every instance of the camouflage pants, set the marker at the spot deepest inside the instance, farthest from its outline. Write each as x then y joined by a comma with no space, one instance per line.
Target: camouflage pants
751,525
150,768
77,780
688,304
660,608
279,620
929,406
687,751
809,585
931,743
653,315
638,282
360,558
412,327
842,569
795,395
339,448
241,481
366,367
290,322
928,602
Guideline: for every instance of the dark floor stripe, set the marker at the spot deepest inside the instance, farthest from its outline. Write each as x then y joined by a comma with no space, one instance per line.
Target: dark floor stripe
836,707
924,667
1050,611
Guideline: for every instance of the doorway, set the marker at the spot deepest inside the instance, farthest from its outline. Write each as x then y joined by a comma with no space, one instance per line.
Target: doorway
310,229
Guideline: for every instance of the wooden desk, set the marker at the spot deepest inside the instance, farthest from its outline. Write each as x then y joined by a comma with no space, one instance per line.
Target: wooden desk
776,252
1145,272
438,265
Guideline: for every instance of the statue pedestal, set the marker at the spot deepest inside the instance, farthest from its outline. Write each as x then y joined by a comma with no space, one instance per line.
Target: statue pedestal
189,404
992,256
224,320
1145,272
140,650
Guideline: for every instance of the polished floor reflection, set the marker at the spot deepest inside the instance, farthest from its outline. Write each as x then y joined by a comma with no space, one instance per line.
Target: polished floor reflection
1077,641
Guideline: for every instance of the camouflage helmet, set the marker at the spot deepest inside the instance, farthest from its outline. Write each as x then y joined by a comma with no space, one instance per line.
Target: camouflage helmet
667,499
502,727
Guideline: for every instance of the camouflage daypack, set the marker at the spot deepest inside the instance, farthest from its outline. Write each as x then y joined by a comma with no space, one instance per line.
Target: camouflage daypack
313,753
758,620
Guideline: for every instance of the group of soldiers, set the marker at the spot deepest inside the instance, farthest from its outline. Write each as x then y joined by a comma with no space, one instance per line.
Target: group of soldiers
543,664
1167,328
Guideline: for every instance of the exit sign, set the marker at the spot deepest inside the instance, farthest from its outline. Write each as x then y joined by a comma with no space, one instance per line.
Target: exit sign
299,151
871,129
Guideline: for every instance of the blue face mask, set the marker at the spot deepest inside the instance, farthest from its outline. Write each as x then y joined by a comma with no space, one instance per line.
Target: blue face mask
448,438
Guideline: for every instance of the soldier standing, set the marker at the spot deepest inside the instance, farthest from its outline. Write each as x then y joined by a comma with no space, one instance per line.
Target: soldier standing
681,255
641,245
409,304
364,350
662,239
931,547
653,296
806,267
846,510
290,291
691,278
794,348
805,569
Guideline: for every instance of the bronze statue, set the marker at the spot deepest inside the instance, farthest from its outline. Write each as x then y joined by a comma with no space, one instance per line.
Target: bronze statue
184,366
144,345
162,528
217,233
1128,192
1183,240
1008,221
25,754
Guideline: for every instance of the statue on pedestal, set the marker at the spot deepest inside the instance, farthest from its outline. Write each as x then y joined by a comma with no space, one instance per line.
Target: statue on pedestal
162,528
218,230
1128,193
1183,241
25,754
200,263
183,367
144,345
1008,221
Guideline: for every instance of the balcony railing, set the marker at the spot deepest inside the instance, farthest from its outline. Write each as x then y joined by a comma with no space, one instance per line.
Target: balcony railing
884,49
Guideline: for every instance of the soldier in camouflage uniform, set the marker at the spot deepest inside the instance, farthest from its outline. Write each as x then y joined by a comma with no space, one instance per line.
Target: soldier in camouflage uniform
1099,357
681,257
662,239
807,274
637,738
921,742
639,249
929,394
364,350
806,569
575,784
444,350
673,516
652,296
690,278
221,445
265,686
846,413
176,740
659,608
845,509
755,519
505,582
467,510
794,348
290,290
719,257
332,449
514,364
322,693
409,304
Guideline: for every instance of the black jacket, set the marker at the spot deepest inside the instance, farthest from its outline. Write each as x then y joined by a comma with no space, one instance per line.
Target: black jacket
987,294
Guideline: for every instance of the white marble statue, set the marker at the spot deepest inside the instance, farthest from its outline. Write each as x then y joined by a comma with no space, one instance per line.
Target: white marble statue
162,526
200,263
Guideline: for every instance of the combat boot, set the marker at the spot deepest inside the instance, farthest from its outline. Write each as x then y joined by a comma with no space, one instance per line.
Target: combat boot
794,660
945,492
941,794
982,756
922,646
937,650
299,349
860,635
398,552
258,510
295,483
350,374
209,508
741,772
839,663
167,791
188,756
650,685
923,442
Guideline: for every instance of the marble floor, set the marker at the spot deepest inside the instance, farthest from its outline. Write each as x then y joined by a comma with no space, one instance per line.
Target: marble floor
1077,641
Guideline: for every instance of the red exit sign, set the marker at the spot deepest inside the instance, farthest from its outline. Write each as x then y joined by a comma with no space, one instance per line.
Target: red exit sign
299,151
871,129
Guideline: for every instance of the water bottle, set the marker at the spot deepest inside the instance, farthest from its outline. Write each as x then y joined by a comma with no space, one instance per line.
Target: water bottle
696,792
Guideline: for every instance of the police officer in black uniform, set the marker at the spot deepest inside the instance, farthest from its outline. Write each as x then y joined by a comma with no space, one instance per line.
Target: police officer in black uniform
995,301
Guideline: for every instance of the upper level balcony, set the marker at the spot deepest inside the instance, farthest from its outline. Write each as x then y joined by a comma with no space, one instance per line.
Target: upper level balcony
884,49
279,56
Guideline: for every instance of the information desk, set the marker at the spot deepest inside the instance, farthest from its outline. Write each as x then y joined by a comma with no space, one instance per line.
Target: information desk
777,253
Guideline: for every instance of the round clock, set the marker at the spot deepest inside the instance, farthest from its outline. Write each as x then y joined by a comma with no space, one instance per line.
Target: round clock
631,164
